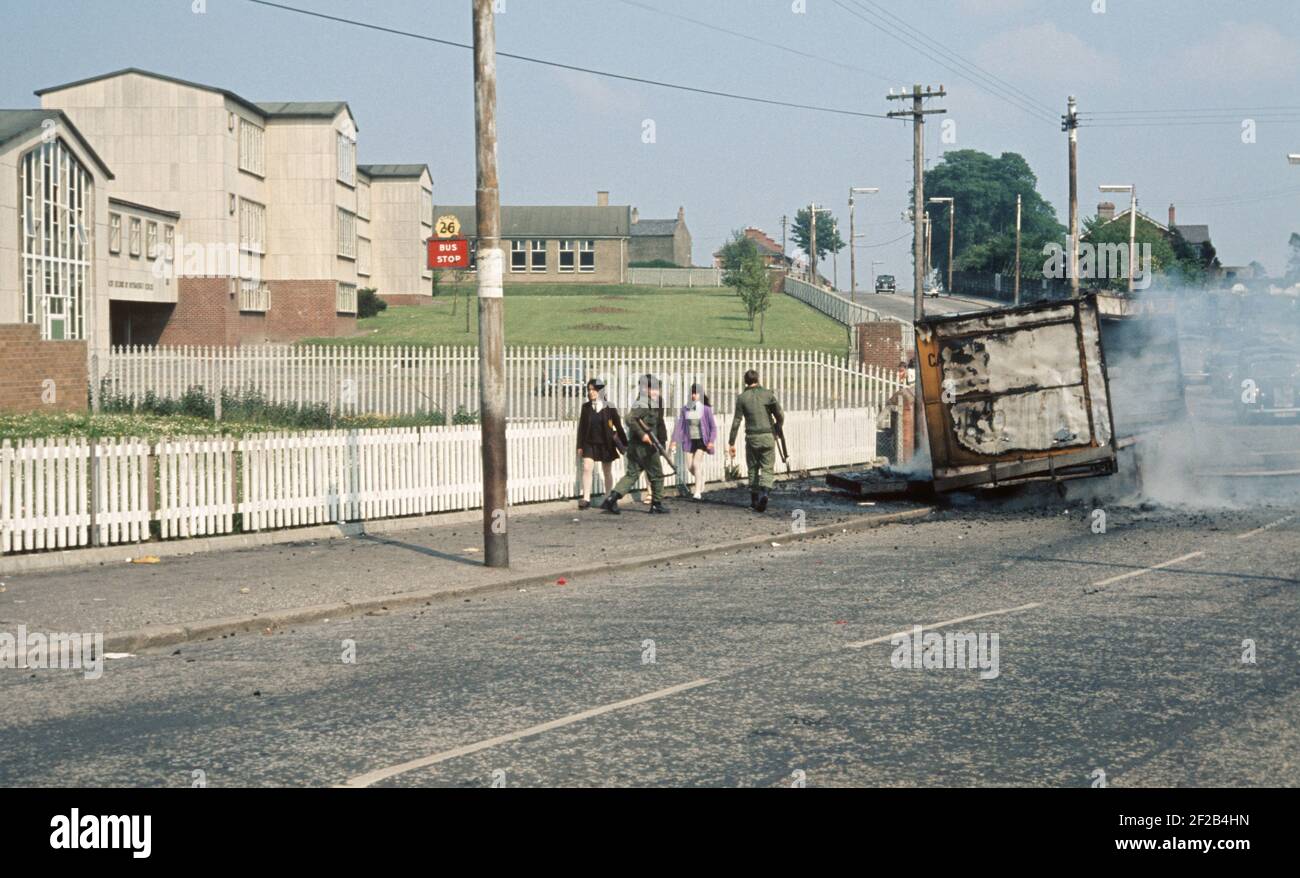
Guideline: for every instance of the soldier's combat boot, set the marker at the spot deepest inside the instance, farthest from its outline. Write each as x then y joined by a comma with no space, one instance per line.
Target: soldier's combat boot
761,505
611,503
658,508
753,499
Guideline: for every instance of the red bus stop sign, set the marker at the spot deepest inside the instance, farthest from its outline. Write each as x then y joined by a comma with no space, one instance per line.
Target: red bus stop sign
448,253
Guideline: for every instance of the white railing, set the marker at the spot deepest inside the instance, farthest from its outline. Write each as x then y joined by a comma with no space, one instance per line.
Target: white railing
542,383
675,277
64,493
842,310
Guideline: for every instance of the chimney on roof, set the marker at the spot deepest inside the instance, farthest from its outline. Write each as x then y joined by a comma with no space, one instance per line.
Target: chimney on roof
681,214
636,216
602,198
1172,223
1106,211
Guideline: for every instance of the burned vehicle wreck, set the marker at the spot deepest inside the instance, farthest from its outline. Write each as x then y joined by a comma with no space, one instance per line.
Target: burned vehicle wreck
1016,394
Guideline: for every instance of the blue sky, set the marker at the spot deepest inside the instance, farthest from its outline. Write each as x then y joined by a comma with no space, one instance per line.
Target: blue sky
564,135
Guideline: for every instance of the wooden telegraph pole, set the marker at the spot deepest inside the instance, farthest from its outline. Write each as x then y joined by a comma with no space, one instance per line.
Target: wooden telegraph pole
917,113
491,302
1070,124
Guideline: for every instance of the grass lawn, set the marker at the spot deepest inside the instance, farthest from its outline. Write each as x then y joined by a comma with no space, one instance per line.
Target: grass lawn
577,314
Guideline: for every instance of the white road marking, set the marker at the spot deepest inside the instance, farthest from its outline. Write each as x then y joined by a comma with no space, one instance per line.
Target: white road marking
908,633
1250,533
372,777
1159,566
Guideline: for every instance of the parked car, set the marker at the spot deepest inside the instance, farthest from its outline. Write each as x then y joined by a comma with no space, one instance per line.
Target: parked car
885,284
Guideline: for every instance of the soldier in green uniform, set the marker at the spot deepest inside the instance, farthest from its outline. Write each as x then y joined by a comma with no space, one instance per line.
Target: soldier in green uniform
642,456
758,408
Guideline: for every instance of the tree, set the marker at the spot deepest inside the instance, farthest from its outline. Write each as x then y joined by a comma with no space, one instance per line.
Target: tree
744,271
733,255
828,233
1114,232
985,189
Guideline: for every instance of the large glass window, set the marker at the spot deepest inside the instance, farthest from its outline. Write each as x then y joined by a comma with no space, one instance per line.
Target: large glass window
518,255
363,256
57,228
566,257
347,149
135,236
151,239
587,256
252,226
252,147
347,233
115,233
539,255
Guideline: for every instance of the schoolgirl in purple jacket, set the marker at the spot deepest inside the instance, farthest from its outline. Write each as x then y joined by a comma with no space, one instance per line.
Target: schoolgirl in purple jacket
696,432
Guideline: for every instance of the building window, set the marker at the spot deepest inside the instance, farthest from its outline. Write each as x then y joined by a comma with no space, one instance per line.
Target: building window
539,255
426,206
566,257
252,148
586,256
363,256
151,239
347,152
363,200
57,228
254,295
347,234
115,233
135,236
345,299
169,242
518,255
252,226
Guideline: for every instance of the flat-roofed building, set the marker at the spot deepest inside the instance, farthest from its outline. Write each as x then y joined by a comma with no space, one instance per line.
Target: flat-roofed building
401,221
273,236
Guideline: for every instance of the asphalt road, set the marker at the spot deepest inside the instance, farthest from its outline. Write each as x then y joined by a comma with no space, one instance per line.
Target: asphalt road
1118,651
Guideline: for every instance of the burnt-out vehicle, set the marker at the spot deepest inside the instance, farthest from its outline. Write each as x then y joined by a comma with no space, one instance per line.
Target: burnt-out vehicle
1265,383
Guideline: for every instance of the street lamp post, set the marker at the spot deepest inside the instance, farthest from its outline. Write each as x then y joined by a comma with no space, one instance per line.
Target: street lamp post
1131,189
853,261
874,263
952,223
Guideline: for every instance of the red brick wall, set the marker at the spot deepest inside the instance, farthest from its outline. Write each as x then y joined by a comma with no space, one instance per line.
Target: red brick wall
305,309
26,363
207,314
880,344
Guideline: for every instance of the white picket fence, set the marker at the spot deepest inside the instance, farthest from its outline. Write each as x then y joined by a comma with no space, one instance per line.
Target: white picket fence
675,277
542,383
65,493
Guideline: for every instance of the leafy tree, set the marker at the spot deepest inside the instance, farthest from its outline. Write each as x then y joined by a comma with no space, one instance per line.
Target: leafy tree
984,188
828,233
1164,258
755,289
733,255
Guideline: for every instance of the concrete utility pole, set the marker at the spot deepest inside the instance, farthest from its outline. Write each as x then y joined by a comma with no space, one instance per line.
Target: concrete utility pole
784,219
853,262
1070,124
491,302
1017,293
812,242
917,114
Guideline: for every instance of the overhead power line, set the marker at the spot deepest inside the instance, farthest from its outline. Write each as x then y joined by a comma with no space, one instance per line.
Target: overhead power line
973,76
572,67
753,39
1028,98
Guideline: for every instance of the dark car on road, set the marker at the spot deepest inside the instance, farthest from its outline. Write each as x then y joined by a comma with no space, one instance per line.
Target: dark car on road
885,284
